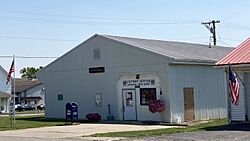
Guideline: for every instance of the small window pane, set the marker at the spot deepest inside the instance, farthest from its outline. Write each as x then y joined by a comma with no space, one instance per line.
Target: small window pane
97,53
60,97
147,95
129,99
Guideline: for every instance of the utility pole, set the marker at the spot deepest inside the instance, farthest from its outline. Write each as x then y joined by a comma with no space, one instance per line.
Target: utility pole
211,27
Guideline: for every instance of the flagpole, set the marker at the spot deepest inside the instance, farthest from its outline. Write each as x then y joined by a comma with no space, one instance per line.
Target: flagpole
14,89
10,108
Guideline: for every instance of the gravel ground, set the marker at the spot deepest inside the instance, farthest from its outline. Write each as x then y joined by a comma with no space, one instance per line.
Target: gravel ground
201,136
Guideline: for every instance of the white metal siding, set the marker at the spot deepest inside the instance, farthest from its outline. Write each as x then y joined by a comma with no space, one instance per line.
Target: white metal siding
238,112
247,85
209,91
69,76
4,88
36,91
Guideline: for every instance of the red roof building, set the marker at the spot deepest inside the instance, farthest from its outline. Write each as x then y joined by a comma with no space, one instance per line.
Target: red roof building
239,59
240,55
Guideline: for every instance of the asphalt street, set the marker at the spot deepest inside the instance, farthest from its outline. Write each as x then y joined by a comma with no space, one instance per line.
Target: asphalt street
237,132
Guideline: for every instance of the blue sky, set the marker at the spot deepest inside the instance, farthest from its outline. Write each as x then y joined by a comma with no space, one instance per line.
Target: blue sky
53,27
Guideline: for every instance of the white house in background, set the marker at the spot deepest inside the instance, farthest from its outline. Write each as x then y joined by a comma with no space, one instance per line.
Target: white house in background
126,73
4,91
239,59
29,91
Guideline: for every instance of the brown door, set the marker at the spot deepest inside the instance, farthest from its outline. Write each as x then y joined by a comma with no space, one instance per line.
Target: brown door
188,104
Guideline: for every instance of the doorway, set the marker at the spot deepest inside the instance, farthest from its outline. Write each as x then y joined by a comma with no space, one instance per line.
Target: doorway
129,104
189,104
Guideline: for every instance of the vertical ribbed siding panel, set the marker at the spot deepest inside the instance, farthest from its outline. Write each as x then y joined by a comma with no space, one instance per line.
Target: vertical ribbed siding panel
209,91
238,112
247,85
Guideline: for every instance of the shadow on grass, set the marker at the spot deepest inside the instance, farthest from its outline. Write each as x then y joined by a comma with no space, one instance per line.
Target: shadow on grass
230,127
43,119
39,119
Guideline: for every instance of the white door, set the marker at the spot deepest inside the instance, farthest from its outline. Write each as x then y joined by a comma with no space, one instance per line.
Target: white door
129,105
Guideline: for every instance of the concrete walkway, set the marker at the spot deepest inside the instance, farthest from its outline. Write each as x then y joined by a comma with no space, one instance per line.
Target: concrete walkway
76,130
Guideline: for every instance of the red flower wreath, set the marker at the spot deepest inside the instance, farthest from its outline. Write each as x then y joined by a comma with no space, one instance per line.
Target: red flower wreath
156,106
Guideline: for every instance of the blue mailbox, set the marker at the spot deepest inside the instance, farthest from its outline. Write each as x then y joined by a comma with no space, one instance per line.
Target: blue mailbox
74,111
68,112
71,112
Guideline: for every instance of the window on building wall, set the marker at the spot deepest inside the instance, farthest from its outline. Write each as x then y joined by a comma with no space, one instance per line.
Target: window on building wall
98,99
147,95
129,99
97,53
60,97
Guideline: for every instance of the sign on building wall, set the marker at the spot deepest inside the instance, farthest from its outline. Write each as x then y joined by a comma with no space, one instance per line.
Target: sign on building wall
137,82
98,99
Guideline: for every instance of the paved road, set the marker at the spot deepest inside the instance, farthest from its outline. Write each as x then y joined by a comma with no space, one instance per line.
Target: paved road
74,132
201,136
236,132
194,136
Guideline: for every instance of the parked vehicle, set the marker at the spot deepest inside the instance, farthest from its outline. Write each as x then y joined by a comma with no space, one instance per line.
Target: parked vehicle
25,107
40,107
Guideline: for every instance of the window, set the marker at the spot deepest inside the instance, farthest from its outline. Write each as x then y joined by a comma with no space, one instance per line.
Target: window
97,53
98,99
129,99
60,97
147,95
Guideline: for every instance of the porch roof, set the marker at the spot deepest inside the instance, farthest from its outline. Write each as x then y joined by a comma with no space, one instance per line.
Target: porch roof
239,56
5,95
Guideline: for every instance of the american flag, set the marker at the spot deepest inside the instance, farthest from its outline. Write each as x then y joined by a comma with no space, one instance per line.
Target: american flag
9,74
233,87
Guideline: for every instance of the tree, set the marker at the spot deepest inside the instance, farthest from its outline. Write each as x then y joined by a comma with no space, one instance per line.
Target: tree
29,72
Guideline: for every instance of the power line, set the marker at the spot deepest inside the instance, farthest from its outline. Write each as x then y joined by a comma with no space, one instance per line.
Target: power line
222,41
191,38
58,21
27,57
235,28
31,38
230,39
237,25
99,18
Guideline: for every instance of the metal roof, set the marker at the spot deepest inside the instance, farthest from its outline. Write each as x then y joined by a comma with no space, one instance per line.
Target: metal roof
1,68
176,50
23,84
240,55
4,94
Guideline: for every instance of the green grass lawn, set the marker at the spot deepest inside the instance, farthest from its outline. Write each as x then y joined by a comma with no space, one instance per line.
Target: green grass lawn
30,112
29,122
199,127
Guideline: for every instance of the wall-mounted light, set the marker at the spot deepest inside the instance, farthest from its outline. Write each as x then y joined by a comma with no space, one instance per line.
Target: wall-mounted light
137,76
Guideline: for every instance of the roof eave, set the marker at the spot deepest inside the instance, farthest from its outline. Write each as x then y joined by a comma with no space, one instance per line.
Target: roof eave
240,65
5,95
192,62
